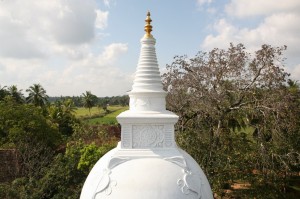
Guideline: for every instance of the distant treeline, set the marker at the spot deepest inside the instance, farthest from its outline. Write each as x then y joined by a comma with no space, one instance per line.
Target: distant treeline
101,101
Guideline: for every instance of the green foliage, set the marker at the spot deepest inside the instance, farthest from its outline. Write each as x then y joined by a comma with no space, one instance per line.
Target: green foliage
239,117
115,100
89,100
32,134
101,101
3,92
98,116
62,114
24,122
109,118
102,135
84,113
16,94
62,179
55,150
89,156
37,95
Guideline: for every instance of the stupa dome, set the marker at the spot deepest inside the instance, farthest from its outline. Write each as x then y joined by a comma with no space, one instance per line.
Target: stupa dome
147,163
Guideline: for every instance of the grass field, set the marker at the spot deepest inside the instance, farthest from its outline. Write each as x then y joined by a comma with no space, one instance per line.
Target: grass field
98,115
109,118
84,112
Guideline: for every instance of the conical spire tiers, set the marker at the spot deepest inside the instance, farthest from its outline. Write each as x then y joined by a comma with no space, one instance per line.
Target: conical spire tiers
148,27
147,162
147,76
147,92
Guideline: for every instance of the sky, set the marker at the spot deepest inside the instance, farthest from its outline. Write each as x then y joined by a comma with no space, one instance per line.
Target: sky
73,46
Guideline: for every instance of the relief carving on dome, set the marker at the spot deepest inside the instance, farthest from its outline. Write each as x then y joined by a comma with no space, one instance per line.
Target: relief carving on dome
178,160
188,183
105,185
144,136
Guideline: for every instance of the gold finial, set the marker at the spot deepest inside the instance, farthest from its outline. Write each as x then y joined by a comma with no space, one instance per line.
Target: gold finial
148,27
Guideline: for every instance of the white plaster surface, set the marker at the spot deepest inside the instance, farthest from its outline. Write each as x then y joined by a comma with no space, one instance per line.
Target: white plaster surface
136,177
147,164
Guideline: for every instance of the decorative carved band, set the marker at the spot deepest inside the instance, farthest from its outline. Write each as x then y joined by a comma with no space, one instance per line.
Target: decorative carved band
144,136
169,135
147,136
126,136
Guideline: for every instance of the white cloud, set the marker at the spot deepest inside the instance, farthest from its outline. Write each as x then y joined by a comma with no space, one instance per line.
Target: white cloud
15,42
107,3
226,33
246,8
277,29
74,22
202,2
211,10
20,72
97,73
279,26
112,51
32,28
295,72
56,43
101,20
274,30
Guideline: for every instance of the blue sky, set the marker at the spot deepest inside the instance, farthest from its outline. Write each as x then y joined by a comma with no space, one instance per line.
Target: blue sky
73,46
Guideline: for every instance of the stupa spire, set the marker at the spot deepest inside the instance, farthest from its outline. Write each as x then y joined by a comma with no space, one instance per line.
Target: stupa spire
147,92
148,27
147,163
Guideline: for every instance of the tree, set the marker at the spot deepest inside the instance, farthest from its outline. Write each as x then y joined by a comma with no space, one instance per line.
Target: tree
88,100
16,94
236,112
24,127
62,114
37,95
63,177
69,106
3,92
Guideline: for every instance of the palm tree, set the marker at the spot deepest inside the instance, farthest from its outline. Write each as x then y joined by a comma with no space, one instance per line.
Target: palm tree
16,94
3,92
69,106
88,100
37,95
61,114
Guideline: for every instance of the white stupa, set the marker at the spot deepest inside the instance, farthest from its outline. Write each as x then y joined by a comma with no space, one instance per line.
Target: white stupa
147,163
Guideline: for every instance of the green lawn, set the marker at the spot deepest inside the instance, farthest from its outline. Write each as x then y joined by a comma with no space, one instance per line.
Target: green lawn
82,112
109,118
98,115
